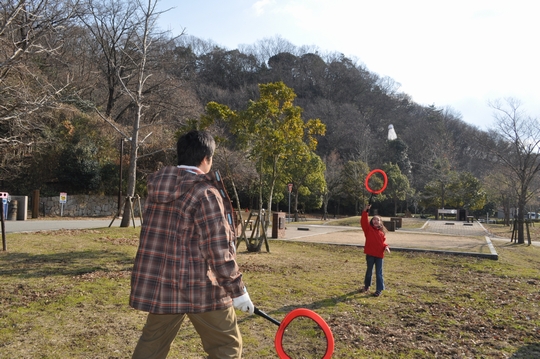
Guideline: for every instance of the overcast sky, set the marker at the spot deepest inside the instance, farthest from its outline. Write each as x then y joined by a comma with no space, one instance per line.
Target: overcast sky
459,54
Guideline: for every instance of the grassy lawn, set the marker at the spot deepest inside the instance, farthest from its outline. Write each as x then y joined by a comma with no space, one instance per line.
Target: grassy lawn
64,295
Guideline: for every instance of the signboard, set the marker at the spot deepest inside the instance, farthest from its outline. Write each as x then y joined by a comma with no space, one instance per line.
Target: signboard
5,197
290,187
63,199
447,211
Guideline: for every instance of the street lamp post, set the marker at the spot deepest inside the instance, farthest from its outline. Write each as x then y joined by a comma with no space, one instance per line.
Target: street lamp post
290,185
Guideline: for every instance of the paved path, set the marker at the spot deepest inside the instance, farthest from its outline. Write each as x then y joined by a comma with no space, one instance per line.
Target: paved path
435,236
432,228
296,230
34,225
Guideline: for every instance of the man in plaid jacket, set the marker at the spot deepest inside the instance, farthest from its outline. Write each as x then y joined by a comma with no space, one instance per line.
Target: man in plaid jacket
186,261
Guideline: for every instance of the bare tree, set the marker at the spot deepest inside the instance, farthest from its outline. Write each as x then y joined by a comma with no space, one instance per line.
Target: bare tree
112,25
142,42
501,189
518,148
143,94
28,30
266,48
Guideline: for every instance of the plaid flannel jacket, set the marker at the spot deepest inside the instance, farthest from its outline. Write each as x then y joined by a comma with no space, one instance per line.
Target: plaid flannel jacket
186,261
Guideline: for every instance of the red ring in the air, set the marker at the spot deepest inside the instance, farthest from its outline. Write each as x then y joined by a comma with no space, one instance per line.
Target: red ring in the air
384,184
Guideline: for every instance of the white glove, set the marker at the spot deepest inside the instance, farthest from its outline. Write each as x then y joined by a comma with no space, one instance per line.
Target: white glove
244,303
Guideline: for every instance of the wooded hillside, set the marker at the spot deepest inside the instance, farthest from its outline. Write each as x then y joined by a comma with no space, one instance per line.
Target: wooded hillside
68,73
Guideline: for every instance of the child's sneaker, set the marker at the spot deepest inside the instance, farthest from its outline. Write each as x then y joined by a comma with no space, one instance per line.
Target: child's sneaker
364,290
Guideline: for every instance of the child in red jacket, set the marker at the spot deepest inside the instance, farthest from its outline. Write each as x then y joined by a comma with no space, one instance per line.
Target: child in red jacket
374,249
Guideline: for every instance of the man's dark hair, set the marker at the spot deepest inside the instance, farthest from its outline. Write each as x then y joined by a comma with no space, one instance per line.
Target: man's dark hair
193,147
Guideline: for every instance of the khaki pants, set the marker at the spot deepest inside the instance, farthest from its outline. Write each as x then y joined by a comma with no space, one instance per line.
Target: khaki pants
218,330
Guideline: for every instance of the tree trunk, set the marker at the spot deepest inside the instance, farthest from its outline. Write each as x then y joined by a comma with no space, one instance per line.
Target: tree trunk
132,173
132,180
521,219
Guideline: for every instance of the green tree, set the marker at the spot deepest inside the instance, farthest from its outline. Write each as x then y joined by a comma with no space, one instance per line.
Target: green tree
271,130
436,191
306,172
398,184
466,192
79,171
397,153
231,156
455,189
353,178
274,130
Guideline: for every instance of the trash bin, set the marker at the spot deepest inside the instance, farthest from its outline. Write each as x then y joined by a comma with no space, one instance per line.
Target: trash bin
390,225
21,211
278,225
5,209
12,212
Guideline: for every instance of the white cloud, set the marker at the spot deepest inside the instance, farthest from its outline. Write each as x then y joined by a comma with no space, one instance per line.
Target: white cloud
260,6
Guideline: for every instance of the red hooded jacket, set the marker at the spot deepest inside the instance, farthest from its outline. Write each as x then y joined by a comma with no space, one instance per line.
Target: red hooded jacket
375,238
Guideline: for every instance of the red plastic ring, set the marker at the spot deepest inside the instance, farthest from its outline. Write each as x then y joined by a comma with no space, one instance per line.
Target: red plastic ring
384,184
303,312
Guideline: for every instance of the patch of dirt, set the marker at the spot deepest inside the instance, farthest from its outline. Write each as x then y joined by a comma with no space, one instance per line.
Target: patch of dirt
92,276
134,241
15,295
65,232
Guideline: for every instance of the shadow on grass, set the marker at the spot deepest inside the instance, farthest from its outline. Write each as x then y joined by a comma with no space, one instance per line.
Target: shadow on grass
27,265
330,302
529,351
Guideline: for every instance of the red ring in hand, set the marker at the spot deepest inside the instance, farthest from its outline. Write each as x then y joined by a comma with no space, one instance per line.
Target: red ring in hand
384,184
